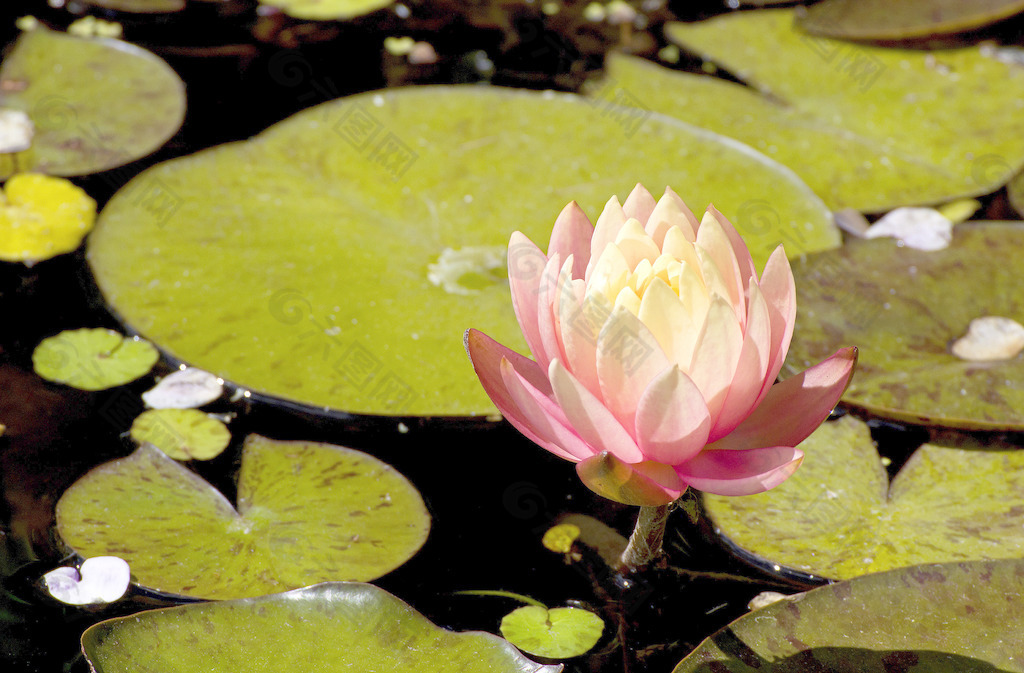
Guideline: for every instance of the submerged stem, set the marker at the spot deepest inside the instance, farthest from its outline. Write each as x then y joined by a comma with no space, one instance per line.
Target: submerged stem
645,542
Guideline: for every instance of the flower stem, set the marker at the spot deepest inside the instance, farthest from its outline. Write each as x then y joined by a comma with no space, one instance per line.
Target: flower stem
645,542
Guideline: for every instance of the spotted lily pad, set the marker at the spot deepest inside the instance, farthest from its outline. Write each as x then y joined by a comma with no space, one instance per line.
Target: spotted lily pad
940,618
882,20
329,628
322,10
306,513
838,517
556,633
904,309
93,358
183,434
346,222
96,103
867,127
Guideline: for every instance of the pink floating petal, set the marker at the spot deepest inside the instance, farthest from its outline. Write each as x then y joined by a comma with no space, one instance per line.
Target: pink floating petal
589,417
794,408
672,420
571,236
741,472
647,484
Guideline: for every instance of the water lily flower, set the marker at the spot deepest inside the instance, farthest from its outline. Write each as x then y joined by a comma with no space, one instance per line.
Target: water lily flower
656,349
101,579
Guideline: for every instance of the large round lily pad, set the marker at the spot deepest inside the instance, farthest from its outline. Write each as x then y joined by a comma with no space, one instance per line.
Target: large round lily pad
942,618
337,258
306,513
866,127
96,103
886,20
904,308
327,628
839,517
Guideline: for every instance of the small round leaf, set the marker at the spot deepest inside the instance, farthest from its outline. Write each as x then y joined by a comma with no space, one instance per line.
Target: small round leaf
558,633
93,359
183,434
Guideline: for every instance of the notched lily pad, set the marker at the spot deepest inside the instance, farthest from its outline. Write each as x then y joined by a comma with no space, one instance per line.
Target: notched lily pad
368,192
93,358
904,309
869,128
306,513
942,618
183,434
325,10
329,628
839,517
96,103
556,633
884,20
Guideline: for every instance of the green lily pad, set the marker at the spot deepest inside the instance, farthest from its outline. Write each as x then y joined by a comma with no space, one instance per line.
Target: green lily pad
904,308
320,251
96,103
881,20
1015,191
183,434
93,358
327,628
140,6
556,633
839,517
306,513
325,10
866,127
942,618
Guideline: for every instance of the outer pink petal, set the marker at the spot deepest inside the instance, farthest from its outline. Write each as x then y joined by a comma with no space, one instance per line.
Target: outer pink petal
487,356
629,357
779,291
752,367
794,408
714,241
588,416
571,236
741,472
639,204
547,328
672,421
646,484
526,265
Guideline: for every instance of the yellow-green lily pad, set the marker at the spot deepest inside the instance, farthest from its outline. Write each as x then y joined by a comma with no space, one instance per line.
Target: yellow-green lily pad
936,618
904,309
867,127
140,6
330,260
93,358
838,517
306,513
555,633
328,628
325,10
886,20
183,434
96,103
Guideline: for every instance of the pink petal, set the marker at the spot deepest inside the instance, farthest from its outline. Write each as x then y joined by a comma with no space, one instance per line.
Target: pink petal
526,265
794,408
571,236
646,484
717,355
588,416
487,356
741,472
691,219
739,247
605,231
779,291
672,421
550,343
752,367
580,319
628,359
639,204
712,239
